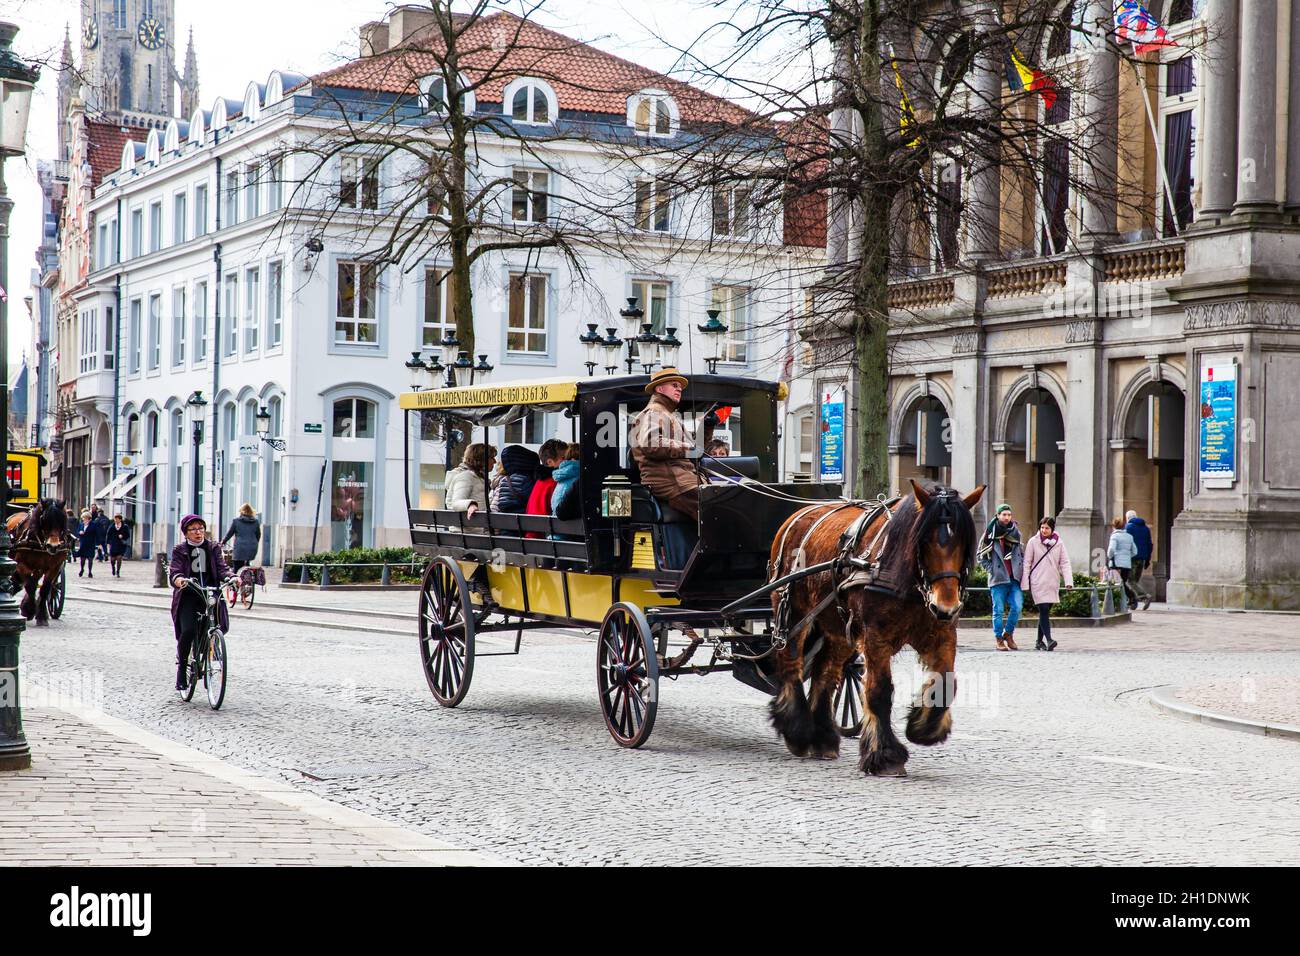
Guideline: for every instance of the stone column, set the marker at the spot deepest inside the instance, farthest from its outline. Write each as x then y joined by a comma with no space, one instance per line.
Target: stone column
1293,112
1101,126
1219,193
983,191
1257,110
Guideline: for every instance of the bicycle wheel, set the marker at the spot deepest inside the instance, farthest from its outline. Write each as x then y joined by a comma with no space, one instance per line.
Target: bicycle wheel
195,667
246,595
214,669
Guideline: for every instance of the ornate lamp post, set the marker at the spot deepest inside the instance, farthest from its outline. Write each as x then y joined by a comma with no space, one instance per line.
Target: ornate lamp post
263,418
631,318
478,375
669,347
18,81
715,331
591,341
197,402
613,347
416,369
647,348
450,346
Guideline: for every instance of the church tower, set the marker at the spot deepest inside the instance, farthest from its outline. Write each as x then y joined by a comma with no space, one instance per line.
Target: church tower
190,81
67,82
128,58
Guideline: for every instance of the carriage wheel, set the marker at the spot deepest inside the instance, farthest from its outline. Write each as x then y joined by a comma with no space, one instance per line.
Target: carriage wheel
57,595
627,675
847,703
446,632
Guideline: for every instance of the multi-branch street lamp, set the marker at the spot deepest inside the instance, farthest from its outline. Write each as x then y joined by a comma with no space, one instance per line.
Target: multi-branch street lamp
715,331
631,318
17,82
651,349
263,418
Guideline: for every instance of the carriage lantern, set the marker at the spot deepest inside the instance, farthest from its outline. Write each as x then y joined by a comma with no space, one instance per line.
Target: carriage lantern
480,372
647,348
416,369
631,318
462,369
592,340
612,345
715,331
450,345
669,347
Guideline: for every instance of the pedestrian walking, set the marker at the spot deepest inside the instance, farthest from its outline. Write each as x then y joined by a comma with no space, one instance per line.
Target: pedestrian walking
1120,554
247,532
1003,557
119,539
99,521
1047,566
85,534
1142,538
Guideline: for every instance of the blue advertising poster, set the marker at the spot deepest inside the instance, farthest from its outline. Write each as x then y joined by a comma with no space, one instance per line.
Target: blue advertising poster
832,436
1218,441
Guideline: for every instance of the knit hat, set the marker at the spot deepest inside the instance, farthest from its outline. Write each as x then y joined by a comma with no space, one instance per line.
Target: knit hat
1002,507
190,519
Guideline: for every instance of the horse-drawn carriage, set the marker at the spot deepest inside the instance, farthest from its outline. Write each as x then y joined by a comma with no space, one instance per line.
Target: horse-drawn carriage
634,568
35,553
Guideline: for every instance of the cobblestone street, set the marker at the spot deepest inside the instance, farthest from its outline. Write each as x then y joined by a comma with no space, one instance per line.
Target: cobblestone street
1055,758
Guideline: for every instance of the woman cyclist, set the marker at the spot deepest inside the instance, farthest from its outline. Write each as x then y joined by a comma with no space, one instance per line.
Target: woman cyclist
195,559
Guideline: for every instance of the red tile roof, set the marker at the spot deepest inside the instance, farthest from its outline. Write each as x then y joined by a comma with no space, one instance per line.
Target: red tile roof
584,78
104,142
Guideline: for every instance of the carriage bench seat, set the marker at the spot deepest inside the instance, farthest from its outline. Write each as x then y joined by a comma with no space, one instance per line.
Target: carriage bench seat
646,507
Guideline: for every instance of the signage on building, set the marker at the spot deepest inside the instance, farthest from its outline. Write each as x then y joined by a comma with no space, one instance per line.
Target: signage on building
1218,423
831,467
248,451
312,428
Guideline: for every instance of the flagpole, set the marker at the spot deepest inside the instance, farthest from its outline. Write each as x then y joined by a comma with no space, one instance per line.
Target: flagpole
1160,158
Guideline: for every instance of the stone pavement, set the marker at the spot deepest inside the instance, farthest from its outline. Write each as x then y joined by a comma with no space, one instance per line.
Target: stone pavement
1271,700
103,792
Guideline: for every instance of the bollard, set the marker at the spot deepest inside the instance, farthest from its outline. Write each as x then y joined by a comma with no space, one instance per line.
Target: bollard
304,577
1108,604
1093,609
1123,601
160,570
383,577
324,575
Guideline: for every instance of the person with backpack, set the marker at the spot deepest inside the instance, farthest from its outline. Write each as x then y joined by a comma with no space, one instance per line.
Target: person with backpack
1046,567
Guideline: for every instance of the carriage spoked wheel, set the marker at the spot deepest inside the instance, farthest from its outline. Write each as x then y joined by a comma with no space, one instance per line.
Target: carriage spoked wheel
57,594
446,632
847,702
627,675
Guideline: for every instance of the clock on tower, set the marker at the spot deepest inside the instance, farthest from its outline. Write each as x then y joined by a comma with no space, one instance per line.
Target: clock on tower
90,33
151,33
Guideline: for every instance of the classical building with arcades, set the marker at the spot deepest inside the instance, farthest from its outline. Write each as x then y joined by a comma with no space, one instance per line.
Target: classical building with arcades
1135,346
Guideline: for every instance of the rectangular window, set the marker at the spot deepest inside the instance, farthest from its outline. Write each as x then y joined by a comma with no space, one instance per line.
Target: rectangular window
137,349
947,217
230,312
355,320
252,192
274,303
115,240
232,198
1180,145
137,233
89,342
528,197
179,326
439,310
1180,77
275,183
101,245
653,205
201,322
201,210
119,14
155,226
110,335
529,430
1056,197
155,332
526,327
733,302
1059,111
252,308
358,182
652,298
731,211
180,217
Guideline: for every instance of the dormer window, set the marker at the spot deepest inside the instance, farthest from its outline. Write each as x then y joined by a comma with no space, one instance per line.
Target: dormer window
653,114
433,94
529,101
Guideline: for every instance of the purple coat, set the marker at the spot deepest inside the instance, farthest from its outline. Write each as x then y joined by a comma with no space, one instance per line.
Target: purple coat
215,573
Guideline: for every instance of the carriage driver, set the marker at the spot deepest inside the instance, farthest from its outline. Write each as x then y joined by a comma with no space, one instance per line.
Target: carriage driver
662,447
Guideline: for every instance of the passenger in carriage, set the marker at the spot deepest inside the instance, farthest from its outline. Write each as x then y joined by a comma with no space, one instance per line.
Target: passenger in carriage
539,499
662,447
466,488
566,502
520,465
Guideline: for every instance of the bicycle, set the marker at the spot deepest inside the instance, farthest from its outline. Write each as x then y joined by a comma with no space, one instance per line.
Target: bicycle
241,589
208,656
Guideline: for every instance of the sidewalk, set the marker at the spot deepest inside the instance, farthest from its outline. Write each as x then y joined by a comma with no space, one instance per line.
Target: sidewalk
103,792
1257,705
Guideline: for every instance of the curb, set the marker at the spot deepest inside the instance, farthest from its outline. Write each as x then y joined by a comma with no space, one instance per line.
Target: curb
421,848
1164,699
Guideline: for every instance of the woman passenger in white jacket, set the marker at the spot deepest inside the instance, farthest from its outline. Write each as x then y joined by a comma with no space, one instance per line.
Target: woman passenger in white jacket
466,486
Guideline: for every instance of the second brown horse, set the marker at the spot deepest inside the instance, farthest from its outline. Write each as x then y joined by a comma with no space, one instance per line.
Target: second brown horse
919,550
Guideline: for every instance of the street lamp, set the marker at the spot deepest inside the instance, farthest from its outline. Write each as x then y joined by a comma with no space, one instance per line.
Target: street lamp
631,318
613,347
18,80
669,347
592,341
263,418
714,330
647,348
416,369
478,375
197,402
436,371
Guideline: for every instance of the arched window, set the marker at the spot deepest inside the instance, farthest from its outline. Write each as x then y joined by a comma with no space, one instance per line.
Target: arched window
354,418
151,429
529,101
250,417
653,113
275,408
1060,38
434,98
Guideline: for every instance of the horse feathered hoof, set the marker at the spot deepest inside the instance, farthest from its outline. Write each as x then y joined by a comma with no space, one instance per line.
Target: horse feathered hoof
928,726
39,623
890,762
890,770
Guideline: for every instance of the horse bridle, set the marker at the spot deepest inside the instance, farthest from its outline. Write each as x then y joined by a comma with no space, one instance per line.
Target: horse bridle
926,581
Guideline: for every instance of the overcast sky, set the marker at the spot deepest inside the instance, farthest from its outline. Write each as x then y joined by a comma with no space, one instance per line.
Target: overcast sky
242,40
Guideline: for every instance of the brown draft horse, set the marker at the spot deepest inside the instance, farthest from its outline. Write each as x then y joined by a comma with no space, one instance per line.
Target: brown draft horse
40,547
920,550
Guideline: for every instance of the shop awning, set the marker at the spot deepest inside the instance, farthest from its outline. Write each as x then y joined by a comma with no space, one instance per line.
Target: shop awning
124,493
113,486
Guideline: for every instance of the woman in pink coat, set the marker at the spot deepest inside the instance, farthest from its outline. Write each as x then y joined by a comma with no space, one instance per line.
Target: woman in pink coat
1046,567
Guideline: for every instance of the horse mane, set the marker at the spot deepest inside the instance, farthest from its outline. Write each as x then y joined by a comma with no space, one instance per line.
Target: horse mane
910,526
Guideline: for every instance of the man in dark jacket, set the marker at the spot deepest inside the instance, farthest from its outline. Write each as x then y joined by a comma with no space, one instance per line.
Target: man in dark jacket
1142,560
99,527
520,465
